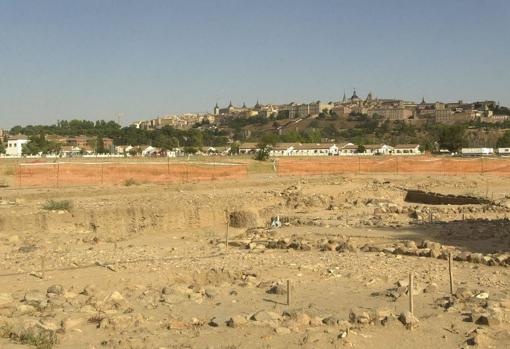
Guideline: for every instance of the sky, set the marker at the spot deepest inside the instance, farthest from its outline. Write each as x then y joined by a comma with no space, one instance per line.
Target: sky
105,59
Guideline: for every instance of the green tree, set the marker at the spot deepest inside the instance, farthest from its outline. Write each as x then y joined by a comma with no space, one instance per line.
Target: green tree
262,153
100,149
234,148
361,148
452,137
504,141
2,148
39,145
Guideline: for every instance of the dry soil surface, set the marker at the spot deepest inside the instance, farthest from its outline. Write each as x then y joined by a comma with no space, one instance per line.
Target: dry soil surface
149,266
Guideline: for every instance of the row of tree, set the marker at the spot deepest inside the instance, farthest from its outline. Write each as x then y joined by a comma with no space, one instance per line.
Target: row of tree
366,131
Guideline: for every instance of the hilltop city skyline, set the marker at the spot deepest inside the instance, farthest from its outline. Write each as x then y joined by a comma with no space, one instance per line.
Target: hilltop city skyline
223,103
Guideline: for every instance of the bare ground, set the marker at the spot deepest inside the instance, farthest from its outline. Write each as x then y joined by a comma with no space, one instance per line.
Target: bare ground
147,267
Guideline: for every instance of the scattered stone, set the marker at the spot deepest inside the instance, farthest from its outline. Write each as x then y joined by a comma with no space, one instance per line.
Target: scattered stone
431,288
56,289
237,321
360,316
277,289
282,330
35,298
264,315
408,319
211,292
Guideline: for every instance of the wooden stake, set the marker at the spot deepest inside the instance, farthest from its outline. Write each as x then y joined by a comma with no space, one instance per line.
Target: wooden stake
43,267
450,269
411,288
226,231
288,292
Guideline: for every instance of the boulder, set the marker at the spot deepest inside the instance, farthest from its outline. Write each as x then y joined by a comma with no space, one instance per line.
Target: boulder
35,298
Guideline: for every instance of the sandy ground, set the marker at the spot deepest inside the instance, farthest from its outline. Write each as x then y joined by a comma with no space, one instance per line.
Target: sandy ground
147,266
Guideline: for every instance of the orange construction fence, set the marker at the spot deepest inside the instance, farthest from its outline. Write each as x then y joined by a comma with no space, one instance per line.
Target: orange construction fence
66,174
392,164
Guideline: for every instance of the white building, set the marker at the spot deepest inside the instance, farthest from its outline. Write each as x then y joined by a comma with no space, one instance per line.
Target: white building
348,149
407,149
15,145
312,149
304,149
378,149
150,151
476,151
503,151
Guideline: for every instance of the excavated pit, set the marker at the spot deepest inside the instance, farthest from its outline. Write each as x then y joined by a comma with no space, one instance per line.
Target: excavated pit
428,198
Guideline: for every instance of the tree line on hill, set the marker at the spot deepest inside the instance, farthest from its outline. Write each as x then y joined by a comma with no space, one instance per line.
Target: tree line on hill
365,131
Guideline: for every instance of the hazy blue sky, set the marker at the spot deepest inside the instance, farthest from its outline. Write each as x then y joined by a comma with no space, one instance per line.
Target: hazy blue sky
97,58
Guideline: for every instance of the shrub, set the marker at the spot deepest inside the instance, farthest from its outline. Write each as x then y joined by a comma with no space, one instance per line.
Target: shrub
58,205
130,181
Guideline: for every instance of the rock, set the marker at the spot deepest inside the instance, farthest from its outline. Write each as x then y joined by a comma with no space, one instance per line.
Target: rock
56,289
237,321
502,258
330,321
211,292
408,319
116,301
277,289
431,288
178,325
35,298
27,248
302,319
476,258
6,300
463,293
403,283
383,316
482,295
462,257
265,316
411,244
215,322
25,309
315,321
89,290
360,316
71,323
282,330
196,297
